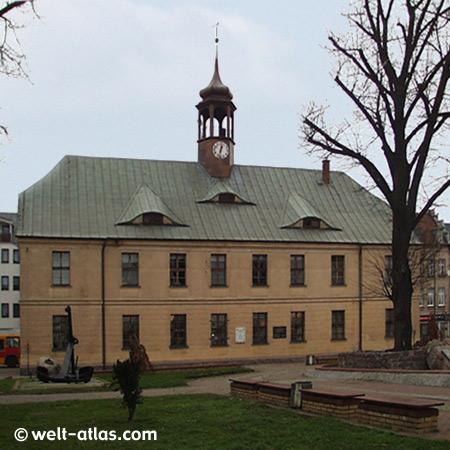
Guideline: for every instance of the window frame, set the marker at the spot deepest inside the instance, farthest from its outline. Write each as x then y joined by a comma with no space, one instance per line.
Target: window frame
219,330
5,256
430,297
16,256
260,327
389,327
130,268
259,270
130,324
178,331
298,324
441,267
16,283
297,270
431,267
218,270
60,268
337,270
177,269
5,283
16,310
441,298
5,310
338,325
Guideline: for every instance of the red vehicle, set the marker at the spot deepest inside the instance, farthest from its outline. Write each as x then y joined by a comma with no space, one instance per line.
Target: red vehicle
10,349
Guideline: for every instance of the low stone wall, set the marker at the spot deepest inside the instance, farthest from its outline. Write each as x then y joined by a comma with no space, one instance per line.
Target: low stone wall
399,413
341,406
270,393
413,418
408,360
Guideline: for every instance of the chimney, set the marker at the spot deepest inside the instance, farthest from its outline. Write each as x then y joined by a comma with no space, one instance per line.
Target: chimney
326,171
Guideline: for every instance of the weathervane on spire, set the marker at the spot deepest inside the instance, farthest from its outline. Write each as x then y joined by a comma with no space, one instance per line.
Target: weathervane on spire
216,26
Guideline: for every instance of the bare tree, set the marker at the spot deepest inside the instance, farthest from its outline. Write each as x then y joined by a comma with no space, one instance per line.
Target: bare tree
394,66
11,55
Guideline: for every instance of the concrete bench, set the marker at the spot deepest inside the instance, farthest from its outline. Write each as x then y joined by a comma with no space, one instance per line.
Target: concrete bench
342,405
400,413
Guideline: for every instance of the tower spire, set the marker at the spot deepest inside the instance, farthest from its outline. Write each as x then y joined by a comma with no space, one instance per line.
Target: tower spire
216,124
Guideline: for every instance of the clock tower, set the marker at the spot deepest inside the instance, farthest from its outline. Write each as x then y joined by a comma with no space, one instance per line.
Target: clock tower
216,127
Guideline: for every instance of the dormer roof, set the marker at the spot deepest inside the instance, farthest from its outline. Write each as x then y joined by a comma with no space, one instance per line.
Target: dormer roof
219,187
299,209
146,201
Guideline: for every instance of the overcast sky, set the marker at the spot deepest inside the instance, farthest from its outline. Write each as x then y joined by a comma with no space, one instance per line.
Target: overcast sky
120,78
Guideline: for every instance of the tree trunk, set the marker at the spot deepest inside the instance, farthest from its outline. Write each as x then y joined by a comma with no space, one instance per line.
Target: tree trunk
402,285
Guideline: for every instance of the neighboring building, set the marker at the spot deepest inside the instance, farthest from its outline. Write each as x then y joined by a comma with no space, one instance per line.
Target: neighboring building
10,275
204,261
432,279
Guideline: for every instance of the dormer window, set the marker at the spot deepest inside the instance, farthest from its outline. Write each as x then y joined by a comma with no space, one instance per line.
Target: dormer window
227,197
311,222
152,219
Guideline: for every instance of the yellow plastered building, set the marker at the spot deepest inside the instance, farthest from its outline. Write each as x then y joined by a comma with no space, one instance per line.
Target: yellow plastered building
203,261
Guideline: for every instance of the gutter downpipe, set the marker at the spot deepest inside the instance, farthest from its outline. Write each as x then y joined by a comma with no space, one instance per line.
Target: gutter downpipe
360,284
103,307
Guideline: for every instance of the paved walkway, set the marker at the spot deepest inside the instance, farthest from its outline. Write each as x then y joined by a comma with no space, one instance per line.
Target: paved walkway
281,373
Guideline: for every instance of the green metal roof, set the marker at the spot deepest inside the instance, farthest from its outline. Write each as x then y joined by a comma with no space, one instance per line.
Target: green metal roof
87,197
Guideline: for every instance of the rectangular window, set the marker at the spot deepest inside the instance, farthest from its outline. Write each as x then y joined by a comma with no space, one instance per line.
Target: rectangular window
297,270
337,325
178,269
16,310
441,296
441,267
5,309
259,272
178,332
130,330
422,298
430,267
219,330
5,256
218,270
130,269
16,283
61,269
337,270
5,283
60,333
259,328
389,323
388,270
16,256
430,297
6,233
297,326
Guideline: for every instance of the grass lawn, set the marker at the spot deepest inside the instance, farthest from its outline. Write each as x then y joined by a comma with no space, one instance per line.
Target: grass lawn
196,422
148,381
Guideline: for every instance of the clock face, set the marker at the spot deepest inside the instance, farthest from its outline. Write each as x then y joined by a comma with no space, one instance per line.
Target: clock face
220,150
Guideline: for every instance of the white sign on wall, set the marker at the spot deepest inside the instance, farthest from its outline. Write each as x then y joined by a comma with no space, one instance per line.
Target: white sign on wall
240,335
